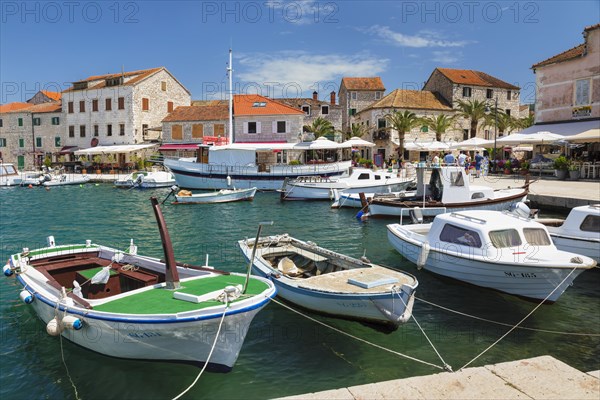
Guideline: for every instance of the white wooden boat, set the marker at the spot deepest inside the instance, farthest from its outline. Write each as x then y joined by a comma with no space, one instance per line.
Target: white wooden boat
358,180
64,179
448,188
146,179
497,250
579,232
331,283
353,200
221,196
122,304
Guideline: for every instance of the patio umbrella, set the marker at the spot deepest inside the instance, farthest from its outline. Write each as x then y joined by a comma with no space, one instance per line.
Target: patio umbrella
355,141
473,144
589,136
532,138
426,146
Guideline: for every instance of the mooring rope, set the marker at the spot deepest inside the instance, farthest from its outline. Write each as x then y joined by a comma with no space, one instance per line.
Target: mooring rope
519,323
357,338
504,323
62,353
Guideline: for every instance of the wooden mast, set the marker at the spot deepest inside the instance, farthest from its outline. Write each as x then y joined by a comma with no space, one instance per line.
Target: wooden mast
171,274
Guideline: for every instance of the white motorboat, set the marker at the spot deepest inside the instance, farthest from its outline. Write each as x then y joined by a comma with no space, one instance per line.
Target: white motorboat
579,233
221,196
498,250
10,176
450,189
146,179
331,283
358,180
122,304
353,200
63,179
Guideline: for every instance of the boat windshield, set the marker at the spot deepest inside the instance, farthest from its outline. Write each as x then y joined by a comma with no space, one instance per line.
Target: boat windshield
536,237
505,238
7,170
591,223
456,234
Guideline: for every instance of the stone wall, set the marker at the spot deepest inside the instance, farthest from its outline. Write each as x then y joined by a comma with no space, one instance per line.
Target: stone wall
437,82
364,98
208,130
294,125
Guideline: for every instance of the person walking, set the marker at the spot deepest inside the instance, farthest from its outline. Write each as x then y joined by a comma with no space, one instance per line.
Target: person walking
478,160
461,158
449,158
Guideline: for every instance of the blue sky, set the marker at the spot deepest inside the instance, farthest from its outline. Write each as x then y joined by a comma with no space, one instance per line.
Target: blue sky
282,48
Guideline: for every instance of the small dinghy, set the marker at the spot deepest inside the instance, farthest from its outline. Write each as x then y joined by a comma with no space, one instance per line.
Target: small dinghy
139,304
146,179
221,196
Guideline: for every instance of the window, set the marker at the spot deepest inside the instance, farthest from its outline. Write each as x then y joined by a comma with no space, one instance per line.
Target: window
0,122
176,132
455,234
71,130
145,104
163,86
95,105
82,106
96,130
55,121
251,127
489,93
364,176
197,131
169,106
38,142
144,129
109,130
352,111
21,142
37,121
536,237
81,130
306,110
505,238
121,105
2,142
381,123
509,95
20,121
70,107
259,104
507,111
219,130
108,104
377,95
56,141
325,110
424,128
281,127
121,129
456,179
591,223
353,95
465,134
582,92
466,91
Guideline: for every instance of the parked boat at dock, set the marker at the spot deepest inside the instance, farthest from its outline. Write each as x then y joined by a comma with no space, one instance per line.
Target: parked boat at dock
11,176
497,250
146,179
331,283
221,196
63,179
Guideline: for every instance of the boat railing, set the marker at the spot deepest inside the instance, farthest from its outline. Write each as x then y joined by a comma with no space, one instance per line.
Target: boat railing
469,218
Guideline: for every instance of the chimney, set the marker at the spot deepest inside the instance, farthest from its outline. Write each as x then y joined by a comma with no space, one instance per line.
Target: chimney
332,100
315,95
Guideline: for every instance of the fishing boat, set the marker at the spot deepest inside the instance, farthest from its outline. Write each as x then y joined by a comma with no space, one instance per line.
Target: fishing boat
579,232
504,251
331,283
126,305
63,179
448,188
146,179
358,180
221,196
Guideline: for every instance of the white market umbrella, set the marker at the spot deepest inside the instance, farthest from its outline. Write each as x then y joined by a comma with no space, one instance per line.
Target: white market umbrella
355,141
589,136
426,146
474,143
321,143
531,138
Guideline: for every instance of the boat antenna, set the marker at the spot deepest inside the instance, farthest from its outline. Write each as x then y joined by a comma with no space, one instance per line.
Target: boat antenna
230,75
171,274
260,225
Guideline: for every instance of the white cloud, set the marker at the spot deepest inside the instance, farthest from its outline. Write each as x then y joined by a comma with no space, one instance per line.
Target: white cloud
421,39
291,73
446,57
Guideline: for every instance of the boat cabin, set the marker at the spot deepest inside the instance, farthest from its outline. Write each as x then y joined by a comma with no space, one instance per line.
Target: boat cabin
584,219
449,184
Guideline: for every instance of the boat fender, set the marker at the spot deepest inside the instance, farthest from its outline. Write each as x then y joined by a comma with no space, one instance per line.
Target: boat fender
26,296
228,180
50,241
88,243
7,270
132,248
53,328
71,322
423,255
359,215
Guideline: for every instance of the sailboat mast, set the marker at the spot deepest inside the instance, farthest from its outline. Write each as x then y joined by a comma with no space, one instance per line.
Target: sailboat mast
230,73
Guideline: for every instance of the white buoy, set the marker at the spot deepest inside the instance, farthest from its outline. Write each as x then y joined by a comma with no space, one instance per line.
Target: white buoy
132,248
51,242
228,180
26,297
423,255
53,327
88,243
7,270
71,322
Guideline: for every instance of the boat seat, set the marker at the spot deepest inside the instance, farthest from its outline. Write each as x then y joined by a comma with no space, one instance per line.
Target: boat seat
416,215
288,267
323,267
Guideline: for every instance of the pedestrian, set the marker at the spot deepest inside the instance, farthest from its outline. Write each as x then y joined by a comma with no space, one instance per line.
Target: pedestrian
461,158
478,160
436,159
449,158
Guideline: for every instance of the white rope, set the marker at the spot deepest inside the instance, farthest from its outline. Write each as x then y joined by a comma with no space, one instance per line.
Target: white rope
519,323
67,368
207,358
357,338
505,324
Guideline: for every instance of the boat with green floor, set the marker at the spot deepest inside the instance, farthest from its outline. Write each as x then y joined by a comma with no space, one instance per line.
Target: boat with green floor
126,305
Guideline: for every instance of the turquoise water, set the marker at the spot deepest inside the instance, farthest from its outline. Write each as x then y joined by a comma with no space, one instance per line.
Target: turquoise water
284,353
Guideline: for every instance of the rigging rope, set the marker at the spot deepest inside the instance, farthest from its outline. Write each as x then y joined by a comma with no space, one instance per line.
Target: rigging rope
357,338
519,323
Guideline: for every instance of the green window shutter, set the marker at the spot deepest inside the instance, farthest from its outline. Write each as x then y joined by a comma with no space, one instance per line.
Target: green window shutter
425,128
57,141
21,141
20,121
38,142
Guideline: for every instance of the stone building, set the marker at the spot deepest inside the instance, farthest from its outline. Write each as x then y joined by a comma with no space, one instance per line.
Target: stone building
314,108
454,85
45,96
356,94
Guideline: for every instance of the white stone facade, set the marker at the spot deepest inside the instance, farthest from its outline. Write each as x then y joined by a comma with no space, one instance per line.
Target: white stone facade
266,128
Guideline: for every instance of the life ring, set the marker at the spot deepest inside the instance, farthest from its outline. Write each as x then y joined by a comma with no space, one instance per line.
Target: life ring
94,142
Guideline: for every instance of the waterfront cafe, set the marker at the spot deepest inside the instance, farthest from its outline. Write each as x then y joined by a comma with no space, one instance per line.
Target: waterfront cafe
116,156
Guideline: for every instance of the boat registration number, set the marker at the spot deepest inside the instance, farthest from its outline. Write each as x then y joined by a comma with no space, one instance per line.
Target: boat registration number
520,274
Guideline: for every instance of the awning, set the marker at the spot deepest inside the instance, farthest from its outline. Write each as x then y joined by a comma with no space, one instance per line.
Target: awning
120,148
565,129
68,149
178,146
591,136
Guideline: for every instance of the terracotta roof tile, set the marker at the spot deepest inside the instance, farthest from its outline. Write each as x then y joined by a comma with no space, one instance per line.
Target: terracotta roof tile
54,106
201,103
413,99
52,95
298,102
475,78
243,104
10,107
591,27
198,113
135,76
372,83
574,52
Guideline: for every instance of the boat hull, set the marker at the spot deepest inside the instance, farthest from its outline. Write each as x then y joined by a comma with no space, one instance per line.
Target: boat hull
208,198
67,180
589,248
308,191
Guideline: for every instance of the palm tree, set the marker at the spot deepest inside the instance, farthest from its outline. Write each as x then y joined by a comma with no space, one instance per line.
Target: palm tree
440,124
402,122
320,127
357,130
473,110
502,121
526,122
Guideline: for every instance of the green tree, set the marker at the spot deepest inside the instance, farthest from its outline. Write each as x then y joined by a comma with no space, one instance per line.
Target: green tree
503,122
526,122
473,110
320,127
440,124
402,122
357,130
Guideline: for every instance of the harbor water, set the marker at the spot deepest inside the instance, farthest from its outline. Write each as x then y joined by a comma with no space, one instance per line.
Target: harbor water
284,352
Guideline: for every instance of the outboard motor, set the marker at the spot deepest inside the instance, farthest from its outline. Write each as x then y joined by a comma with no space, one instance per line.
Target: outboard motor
520,209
